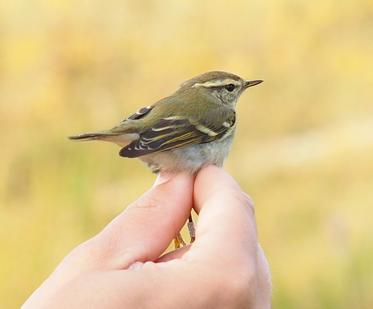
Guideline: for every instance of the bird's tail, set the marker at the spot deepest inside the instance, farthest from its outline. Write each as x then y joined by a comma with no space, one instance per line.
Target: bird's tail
120,138
93,136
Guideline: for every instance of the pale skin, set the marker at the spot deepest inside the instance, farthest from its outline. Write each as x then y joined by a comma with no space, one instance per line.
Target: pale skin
123,265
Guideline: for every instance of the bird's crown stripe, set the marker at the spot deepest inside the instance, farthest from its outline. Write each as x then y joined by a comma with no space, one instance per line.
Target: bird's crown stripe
217,83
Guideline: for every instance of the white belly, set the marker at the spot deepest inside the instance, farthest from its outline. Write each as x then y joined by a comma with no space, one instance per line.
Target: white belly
190,158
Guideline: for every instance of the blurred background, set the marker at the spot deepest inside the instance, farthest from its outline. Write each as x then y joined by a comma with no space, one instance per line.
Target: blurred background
303,149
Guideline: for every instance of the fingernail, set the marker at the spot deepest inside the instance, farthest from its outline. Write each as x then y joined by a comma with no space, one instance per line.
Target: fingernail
162,178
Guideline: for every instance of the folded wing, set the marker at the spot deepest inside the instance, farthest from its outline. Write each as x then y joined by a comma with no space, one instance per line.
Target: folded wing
177,131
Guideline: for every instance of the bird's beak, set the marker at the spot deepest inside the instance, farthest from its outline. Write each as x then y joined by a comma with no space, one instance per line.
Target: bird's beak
250,83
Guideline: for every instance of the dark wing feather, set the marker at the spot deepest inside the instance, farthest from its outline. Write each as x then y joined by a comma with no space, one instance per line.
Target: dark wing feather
175,132
142,112
126,125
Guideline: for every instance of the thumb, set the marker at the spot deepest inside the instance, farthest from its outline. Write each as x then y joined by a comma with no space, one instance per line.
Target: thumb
146,227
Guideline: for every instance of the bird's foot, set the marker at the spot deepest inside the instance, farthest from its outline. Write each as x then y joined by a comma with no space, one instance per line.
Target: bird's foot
179,241
191,229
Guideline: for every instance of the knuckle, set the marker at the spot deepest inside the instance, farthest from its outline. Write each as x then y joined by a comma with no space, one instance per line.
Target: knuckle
84,254
150,201
99,253
249,202
241,288
236,292
244,199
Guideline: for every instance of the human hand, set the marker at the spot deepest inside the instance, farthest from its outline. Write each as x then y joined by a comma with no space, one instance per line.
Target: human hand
122,266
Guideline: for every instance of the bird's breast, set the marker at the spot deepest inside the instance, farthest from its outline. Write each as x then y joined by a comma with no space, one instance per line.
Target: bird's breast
190,158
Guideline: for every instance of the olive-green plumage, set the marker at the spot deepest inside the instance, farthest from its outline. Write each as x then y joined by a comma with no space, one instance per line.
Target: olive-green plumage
192,127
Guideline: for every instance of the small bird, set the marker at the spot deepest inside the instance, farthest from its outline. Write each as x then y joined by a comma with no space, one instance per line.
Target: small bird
183,132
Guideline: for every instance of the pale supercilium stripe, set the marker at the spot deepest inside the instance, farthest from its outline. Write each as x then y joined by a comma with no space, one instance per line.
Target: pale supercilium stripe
217,83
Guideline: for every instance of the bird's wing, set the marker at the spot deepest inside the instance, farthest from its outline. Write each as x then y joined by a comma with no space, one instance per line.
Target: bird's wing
177,131
141,113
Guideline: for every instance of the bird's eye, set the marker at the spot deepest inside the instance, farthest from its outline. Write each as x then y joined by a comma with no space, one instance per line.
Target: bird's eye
230,87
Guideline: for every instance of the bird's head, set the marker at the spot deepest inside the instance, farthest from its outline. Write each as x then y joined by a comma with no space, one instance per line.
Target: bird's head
223,86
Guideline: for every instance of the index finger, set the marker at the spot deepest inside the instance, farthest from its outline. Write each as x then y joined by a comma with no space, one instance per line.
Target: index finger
226,229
